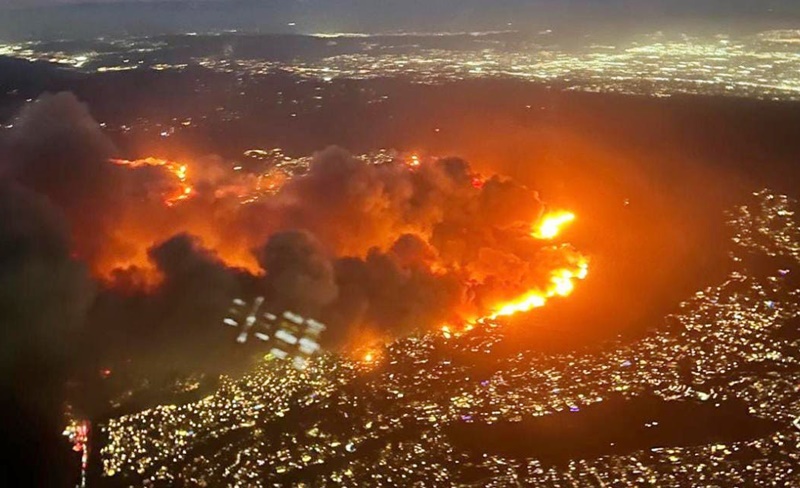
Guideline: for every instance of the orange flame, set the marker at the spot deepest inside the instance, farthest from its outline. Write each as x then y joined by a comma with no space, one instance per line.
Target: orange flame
371,358
562,281
179,170
561,284
551,224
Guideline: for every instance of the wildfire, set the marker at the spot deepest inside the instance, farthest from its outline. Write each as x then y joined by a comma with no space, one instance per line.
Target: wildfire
370,358
562,281
551,224
139,235
178,170
562,284
137,231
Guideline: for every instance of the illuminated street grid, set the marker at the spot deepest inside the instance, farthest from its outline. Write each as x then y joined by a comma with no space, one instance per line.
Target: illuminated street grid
766,65
348,423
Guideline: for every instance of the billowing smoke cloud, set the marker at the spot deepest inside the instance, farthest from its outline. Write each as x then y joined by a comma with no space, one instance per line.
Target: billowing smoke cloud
174,327
393,296
391,246
300,275
44,296
58,150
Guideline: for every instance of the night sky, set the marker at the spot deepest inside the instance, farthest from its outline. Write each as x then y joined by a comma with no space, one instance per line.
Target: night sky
700,7
54,19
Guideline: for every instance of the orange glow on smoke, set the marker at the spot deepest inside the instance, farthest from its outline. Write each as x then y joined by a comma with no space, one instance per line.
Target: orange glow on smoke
562,280
140,226
179,171
562,284
213,221
551,224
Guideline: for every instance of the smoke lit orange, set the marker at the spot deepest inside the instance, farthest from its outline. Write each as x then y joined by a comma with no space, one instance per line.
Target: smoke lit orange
562,280
562,283
179,170
558,282
551,224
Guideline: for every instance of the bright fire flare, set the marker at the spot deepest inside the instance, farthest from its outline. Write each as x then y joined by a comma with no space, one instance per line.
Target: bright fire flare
562,284
371,358
179,170
550,225
562,280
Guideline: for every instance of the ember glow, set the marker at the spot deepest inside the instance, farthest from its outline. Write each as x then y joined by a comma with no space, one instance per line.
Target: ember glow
551,224
183,189
562,284
233,189
562,280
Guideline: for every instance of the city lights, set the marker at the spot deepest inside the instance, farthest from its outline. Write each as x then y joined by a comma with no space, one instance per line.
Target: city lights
389,423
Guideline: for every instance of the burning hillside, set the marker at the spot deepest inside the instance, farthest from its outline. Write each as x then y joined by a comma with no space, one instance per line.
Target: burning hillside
380,244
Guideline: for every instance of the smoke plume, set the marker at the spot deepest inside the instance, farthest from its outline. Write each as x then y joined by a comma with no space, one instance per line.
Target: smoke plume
391,247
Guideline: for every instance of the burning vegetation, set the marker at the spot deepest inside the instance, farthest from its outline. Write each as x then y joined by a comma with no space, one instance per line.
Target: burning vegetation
130,265
395,222
373,246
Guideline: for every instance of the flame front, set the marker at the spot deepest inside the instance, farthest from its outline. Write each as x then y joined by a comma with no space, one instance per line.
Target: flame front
179,170
551,224
232,189
562,284
562,280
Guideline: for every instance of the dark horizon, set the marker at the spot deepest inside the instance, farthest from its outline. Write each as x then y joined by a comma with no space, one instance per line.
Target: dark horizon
42,19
